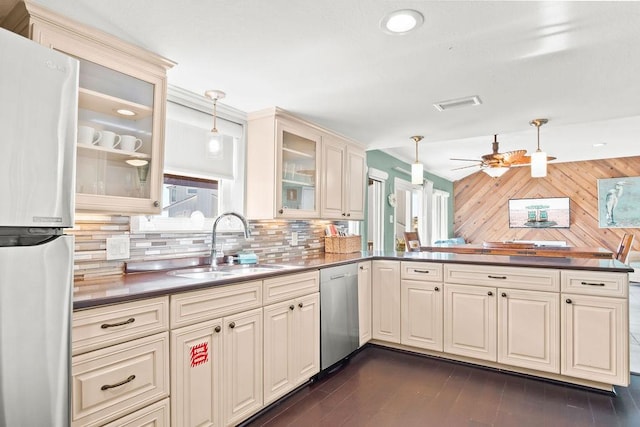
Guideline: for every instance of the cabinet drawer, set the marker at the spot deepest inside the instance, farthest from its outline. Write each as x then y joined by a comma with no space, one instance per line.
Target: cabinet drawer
290,286
536,279
199,306
424,271
595,283
104,326
115,381
156,415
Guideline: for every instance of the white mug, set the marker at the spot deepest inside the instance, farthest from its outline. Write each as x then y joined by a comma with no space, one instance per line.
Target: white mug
109,139
130,143
88,135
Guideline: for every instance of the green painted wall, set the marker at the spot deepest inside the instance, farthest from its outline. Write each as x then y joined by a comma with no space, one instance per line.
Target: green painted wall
384,162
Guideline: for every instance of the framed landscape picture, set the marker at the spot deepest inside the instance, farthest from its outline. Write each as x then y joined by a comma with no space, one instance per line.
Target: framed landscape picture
551,212
619,202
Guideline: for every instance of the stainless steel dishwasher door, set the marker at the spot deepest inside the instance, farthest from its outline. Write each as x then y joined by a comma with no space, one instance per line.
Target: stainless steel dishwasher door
339,332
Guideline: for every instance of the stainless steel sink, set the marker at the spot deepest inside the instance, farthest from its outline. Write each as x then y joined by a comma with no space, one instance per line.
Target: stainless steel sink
227,271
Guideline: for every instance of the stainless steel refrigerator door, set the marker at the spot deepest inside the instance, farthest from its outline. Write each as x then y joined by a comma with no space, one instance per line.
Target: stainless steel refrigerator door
38,121
36,285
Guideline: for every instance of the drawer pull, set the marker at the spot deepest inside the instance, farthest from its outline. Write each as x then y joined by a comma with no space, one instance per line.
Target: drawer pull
592,284
232,325
113,325
497,277
421,271
217,328
108,386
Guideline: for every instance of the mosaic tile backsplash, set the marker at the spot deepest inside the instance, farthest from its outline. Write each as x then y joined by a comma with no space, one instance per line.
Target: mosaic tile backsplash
270,240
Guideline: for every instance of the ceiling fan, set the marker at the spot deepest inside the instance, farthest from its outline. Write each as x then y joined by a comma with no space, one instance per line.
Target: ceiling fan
496,163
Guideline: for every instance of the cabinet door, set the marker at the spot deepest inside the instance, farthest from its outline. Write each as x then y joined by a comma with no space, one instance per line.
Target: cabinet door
242,383
595,338
196,375
356,174
298,169
529,329
278,350
307,339
364,301
470,321
421,313
385,295
122,96
333,178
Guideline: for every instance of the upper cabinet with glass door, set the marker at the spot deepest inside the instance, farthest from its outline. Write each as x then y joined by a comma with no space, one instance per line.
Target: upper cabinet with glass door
121,112
283,164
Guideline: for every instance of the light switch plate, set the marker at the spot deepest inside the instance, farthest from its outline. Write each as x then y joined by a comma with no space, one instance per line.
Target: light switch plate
118,247
294,238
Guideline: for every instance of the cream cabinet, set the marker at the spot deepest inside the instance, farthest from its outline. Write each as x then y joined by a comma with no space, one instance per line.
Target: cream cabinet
122,94
291,345
343,180
595,326
120,364
529,329
421,305
385,297
470,321
296,169
364,301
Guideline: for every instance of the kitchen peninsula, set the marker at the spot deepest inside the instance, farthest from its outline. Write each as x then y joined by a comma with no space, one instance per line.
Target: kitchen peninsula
522,249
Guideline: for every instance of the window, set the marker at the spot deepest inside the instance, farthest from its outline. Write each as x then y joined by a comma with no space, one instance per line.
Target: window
440,215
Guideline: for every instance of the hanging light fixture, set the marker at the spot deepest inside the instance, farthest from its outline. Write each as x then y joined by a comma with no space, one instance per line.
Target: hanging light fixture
539,158
417,169
214,138
496,171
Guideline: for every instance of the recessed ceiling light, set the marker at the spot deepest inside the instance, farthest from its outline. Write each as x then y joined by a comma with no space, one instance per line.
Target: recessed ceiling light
468,101
599,144
125,112
401,21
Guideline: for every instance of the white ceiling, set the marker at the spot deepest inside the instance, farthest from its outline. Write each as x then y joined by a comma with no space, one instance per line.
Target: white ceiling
575,63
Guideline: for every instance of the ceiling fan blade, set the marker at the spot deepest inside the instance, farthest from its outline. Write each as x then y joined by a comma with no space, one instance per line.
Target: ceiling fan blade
468,160
467,167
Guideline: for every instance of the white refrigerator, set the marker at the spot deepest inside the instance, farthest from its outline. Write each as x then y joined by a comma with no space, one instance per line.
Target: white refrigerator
38,120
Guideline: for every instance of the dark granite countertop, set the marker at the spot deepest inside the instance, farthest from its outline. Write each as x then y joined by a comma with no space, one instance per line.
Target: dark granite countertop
132,286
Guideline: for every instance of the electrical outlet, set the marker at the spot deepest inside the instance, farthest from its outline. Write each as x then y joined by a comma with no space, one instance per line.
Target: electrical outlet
294,238
118,247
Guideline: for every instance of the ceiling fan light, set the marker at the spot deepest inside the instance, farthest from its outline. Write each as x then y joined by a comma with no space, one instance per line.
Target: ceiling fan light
417,174
538,164
496,172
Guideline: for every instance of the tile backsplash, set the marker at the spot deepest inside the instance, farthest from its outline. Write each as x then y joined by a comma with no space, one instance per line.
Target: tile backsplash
270,240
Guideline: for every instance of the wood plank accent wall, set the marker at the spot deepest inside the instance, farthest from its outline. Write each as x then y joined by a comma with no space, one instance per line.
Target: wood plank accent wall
481,203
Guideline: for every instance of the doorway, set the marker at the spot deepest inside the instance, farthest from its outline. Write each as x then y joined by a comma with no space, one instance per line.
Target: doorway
375,209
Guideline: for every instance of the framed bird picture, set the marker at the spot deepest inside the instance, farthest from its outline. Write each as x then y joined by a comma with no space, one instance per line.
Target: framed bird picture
619,202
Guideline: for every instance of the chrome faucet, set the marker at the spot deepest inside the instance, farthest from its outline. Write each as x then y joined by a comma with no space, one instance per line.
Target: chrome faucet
214,251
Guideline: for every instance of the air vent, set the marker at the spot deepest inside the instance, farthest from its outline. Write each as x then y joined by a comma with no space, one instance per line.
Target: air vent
469,101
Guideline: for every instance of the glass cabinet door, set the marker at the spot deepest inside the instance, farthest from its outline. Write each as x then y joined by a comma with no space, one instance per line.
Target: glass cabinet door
298,165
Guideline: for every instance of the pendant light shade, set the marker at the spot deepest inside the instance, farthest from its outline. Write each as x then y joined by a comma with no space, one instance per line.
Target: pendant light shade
214,138
417,169
539,158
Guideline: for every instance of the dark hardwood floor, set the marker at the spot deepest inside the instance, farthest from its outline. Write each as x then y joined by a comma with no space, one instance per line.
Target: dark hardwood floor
381,387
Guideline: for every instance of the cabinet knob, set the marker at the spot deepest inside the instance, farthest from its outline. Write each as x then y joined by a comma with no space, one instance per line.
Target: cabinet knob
232,325
361,268
217,328
291,307
490,293
348,214
344,214
504,295
300,305
156,204
569,301
437,289
281,211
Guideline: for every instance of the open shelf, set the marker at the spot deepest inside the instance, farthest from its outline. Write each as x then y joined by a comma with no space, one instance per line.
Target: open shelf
106,104
297,153
112,153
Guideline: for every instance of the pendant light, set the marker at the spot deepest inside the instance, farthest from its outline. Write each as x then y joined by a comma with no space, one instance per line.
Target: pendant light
214,138
539,158
495,172
417,169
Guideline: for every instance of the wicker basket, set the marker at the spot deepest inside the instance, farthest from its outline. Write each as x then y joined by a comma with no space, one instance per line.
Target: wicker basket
342,244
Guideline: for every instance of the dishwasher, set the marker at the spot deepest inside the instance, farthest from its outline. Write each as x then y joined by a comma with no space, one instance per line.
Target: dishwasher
339,332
